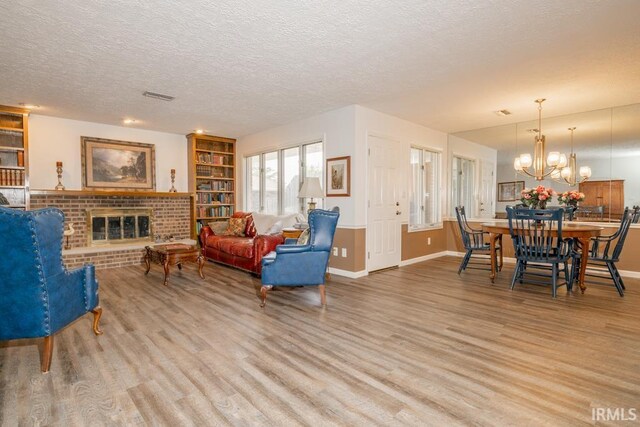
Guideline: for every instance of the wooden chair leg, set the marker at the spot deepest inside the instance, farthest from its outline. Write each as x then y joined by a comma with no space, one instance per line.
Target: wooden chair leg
97,312
263,294
47,354
323,295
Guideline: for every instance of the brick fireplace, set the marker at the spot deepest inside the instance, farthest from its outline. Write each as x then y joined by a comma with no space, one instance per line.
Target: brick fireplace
170,213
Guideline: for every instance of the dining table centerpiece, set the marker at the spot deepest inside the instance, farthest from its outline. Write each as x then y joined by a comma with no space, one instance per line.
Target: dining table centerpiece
571,198
536,198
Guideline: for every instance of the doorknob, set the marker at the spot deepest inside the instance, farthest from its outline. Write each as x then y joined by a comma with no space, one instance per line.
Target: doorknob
398,212
397,203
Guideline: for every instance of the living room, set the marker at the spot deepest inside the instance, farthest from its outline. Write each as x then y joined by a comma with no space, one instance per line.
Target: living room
402,100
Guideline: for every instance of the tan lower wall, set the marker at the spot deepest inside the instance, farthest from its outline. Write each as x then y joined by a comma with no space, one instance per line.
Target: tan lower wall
415,244
354,240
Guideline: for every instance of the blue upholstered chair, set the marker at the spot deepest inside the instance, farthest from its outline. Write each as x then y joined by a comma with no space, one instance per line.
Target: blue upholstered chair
38,296
302,265
538,245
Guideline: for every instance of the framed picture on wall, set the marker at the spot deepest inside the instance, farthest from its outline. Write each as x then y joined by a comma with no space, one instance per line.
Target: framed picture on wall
510,191
339,177
108,164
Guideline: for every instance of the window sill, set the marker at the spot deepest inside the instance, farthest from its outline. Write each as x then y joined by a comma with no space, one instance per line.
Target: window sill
437,226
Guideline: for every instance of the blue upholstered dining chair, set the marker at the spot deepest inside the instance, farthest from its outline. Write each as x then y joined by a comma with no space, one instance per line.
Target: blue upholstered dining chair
38,296
538,245
302,264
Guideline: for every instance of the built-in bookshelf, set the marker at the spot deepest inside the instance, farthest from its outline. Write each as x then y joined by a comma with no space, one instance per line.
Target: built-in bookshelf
14,164
212,161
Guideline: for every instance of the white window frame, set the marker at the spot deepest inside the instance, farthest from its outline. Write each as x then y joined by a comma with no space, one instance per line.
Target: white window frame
437,198
472,209
302,147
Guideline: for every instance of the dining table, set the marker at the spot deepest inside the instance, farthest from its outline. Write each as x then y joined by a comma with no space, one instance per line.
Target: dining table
579,231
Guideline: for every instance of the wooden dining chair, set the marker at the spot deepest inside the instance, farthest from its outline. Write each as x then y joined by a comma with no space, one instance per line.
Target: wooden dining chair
538,245
474,240
605,251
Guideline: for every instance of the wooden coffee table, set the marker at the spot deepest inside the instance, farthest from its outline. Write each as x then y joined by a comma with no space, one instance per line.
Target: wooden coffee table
173,254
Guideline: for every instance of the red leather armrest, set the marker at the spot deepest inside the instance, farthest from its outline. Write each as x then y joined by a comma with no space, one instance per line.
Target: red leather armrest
265,243
205,232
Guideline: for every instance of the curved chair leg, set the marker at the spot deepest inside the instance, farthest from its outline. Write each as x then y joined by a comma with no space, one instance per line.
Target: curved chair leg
323,295
97,313
47,353
263,294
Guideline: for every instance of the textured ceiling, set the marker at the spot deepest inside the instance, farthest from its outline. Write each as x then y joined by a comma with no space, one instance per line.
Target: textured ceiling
237,67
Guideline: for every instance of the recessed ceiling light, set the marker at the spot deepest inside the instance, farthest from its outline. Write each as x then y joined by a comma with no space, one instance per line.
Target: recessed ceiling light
129,121
502,113
28,106
199,131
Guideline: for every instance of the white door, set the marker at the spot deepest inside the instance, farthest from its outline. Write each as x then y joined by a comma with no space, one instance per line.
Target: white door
486,195
383,214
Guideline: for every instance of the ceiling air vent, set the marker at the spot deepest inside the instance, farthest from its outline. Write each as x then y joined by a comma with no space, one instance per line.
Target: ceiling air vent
158,96
502,112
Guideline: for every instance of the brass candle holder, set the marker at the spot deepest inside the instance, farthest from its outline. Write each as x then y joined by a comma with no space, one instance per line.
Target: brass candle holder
173,180
60,186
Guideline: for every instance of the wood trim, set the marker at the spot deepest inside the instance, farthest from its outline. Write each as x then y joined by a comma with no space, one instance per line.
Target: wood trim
15,110
107,193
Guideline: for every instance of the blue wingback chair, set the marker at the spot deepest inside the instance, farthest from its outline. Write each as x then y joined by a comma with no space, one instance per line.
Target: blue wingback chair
38,296
302,265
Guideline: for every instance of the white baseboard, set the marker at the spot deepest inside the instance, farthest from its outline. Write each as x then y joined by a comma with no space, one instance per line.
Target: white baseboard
347,273
423,258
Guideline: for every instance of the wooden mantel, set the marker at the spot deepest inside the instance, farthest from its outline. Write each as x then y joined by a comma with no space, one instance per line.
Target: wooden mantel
107,193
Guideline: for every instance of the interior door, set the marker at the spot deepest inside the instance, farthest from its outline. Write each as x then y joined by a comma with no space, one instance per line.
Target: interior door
486,194
383,213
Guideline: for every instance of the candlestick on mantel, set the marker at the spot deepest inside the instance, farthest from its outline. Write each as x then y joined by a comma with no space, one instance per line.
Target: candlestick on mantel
173,180
60,186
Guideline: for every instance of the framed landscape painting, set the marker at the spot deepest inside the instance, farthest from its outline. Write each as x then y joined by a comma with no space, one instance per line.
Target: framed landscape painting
510,191
117,165
338,177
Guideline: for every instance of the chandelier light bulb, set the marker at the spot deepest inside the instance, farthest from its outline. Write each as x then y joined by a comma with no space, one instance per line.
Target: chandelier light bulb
553,159
585,171
555,174
563,161
566,173
525,160
516,164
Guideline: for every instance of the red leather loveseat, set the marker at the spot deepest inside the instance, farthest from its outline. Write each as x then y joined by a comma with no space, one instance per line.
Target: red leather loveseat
242,252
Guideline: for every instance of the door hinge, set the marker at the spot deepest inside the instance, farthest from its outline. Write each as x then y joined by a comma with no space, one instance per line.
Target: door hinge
368,255
422,167
368,203
369,151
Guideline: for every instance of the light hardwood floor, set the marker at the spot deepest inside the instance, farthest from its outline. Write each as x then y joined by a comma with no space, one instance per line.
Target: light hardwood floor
418,345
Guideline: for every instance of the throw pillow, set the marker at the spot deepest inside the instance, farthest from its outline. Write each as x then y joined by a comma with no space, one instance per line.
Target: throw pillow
3,200
303,239
219,227
237,226
250,229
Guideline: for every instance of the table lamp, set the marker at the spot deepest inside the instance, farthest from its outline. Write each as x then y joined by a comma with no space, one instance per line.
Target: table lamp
311,189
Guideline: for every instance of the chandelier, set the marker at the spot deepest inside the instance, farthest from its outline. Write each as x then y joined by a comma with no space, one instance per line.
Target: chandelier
535,166
569,173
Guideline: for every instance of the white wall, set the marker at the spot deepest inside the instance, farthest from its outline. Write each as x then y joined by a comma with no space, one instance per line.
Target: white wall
470,150
54,139
335,128
345,132
373,123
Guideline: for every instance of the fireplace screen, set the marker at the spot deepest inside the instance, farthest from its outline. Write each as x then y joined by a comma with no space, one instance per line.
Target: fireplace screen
125,225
